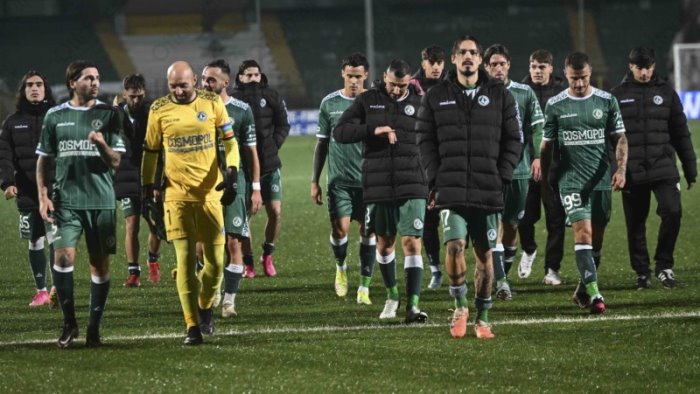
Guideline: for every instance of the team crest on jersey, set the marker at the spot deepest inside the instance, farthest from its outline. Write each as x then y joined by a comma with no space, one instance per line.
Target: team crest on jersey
658,100
96,124
233,121
597,113
263,103
491,234
483,101
409,110
237,221
418,224
202,116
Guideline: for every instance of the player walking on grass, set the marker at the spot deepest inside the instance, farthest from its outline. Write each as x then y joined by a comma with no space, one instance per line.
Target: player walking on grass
531,120
344,179
81,140
658,131
271,129
545,85
18,139
393,181
583,121
185,125
216,79
127,184
432,71
471,143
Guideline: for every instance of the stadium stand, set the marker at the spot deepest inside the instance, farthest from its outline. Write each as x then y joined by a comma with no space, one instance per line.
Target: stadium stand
319,38
49,44
652,23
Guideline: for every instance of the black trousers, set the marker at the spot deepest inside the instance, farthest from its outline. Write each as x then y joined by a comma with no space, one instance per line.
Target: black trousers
555,218
431,236
636,200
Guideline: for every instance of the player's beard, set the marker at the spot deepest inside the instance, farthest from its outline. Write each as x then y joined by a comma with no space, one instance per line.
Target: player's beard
468,73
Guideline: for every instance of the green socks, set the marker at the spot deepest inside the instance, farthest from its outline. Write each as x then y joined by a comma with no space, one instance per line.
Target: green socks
585,263
483,305
413,267
232,278
63,280
508,257
499,272
340,250
37,261
387,266
99,289
460,295
368,251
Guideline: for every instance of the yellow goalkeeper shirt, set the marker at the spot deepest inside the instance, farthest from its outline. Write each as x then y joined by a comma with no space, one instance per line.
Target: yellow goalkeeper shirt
186,133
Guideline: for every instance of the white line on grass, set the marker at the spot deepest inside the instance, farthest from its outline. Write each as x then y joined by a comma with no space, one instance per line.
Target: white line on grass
304,330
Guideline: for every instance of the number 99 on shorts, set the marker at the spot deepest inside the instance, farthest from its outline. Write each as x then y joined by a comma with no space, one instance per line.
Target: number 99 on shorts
571,201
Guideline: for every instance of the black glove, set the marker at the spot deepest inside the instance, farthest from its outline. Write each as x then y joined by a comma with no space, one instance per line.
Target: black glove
147,202
229,186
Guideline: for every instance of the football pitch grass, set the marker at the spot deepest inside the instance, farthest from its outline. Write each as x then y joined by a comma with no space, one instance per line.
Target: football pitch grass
294,334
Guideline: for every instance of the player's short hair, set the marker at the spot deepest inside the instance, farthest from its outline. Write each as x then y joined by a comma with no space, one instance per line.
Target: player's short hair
577,60
642,56
356,59
467,37
222,65
248,64
134,81
399,68
22,97
496,49
75,70
433,54
542,56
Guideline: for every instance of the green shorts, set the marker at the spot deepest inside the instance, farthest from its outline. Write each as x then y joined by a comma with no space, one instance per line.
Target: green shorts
31,225
388,218
345,201
236,214
470,223
593,205
271,186
99,226
514,197
131,206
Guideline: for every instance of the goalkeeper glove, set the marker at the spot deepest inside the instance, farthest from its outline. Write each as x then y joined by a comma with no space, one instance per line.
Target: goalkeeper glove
229,186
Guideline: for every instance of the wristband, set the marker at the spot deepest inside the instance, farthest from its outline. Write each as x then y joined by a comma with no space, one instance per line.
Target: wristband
256,185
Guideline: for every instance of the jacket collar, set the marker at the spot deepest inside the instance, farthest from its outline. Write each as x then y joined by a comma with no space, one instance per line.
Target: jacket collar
655,79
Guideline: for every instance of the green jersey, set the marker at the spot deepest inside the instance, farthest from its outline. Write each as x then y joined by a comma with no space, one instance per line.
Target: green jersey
531,122
582,126
344,160
82,179
243,127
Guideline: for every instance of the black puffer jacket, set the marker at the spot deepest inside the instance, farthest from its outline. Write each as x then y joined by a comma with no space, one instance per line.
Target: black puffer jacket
470,145
18,140
389,172
656,130
127,180
271,124
423,82
544,93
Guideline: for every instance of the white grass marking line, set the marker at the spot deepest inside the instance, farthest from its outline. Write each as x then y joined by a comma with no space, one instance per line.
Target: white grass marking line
304,330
